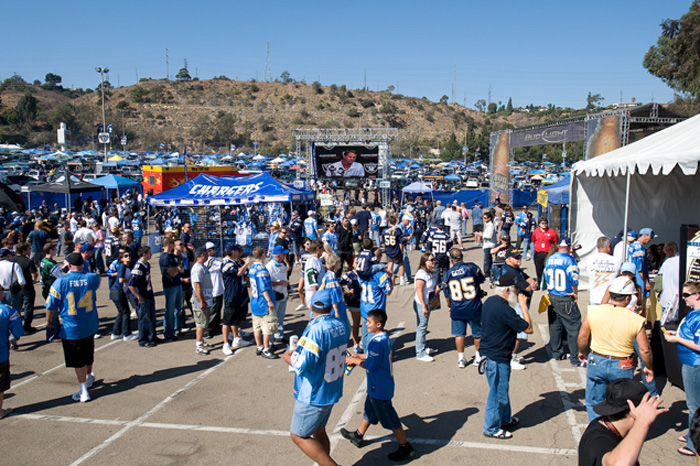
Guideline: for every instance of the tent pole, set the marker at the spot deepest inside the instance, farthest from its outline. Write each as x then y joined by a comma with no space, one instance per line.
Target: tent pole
221,231
627,206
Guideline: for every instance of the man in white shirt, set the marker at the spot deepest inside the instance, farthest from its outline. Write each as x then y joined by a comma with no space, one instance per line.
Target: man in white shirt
620,250
488,242
73,222
84,234
669,280
602,269
278,275
453,218
213,264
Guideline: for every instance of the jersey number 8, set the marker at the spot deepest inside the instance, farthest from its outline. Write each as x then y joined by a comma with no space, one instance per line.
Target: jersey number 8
335,364
462,289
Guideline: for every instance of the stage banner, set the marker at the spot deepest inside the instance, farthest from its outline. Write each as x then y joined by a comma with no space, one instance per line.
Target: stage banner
500,174
574,131
603,135
346,161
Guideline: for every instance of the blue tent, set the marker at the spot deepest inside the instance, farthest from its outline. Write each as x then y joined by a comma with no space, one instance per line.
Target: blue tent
120,183
229,190
453,177
558,193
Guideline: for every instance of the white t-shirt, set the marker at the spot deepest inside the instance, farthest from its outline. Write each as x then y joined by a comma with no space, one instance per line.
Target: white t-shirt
313,268
669,281
430,282
454,219
602,270
217,280
200,274
84,235
278,272
489,235
382,218
620,250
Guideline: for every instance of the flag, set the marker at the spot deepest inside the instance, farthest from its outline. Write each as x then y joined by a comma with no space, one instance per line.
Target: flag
109,129
162,145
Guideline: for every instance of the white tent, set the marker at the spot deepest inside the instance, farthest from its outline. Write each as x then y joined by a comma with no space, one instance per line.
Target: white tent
651,183
416,188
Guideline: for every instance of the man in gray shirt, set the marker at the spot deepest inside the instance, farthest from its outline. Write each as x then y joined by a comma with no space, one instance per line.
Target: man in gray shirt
203,301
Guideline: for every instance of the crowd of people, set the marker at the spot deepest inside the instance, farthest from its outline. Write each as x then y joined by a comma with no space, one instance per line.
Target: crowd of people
344,286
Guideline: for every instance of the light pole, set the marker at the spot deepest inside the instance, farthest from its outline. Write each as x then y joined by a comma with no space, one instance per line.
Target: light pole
102,72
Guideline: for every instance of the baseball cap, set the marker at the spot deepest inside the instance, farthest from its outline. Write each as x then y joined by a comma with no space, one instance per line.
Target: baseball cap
632,234
275,224
622,285
74,259
628,267
87,247
279,249
565,241
513,252
321,300
167,230
209,245
505,235
310,213
617,394
5,252
648,231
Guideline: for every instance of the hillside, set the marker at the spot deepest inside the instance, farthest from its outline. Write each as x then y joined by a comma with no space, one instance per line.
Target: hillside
207,116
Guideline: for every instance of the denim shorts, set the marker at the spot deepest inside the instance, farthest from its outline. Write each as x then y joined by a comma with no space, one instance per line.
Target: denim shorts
459,327
307,419
381,411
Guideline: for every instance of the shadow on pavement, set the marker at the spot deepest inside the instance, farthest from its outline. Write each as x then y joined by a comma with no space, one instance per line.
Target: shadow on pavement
547,407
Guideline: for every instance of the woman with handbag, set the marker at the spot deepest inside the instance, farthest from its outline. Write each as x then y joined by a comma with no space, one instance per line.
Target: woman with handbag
427,299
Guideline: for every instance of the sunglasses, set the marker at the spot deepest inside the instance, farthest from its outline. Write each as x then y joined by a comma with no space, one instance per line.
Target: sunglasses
687,295
430,260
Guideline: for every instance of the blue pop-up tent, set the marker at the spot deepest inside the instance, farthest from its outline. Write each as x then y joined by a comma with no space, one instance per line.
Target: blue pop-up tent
229,190
120,183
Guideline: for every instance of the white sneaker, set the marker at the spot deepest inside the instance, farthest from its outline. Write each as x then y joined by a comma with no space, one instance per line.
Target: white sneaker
300,307
518,359
515,365
244,334
431,351
82,397
114,337
426,358
89,380
133,315
476,361
462,363
131,337
97,336
227,349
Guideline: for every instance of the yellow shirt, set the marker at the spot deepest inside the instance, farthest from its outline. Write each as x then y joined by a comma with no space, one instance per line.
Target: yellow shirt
613,329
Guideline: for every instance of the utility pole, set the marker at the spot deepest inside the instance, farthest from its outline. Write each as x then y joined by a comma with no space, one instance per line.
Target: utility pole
167,65
268,65
102,72
454,85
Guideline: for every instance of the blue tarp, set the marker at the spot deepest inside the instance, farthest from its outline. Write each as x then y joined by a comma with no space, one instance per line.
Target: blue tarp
230,190
120,183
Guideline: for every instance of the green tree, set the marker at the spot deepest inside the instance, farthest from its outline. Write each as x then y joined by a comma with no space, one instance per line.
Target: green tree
493,106
285,77
444,99
509,106
316,86
675,58
480,105
593,101
183,74
52,80
26,108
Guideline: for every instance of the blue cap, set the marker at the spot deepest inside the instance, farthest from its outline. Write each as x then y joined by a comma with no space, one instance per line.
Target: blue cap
279,249
87,247
565,241
628,267
632,234
5,252
322,300
648,231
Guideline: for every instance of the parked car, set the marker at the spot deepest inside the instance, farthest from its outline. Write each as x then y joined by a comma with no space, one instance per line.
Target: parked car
472,183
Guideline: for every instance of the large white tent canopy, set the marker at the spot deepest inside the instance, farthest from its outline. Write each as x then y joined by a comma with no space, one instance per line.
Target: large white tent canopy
652,183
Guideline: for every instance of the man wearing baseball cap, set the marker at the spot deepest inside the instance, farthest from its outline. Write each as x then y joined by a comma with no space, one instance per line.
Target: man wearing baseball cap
637,253
612,329
622,422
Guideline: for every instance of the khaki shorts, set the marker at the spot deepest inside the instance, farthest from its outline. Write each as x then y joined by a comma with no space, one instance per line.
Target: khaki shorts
201,317
267,324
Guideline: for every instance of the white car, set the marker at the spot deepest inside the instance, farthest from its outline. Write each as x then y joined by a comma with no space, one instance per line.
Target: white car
472,183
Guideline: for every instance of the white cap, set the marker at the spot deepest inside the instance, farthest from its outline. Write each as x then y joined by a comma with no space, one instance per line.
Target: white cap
310,213
169,230
623,285
353,221
209,245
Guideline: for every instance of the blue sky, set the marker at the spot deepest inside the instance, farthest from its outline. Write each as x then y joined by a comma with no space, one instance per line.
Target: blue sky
534,51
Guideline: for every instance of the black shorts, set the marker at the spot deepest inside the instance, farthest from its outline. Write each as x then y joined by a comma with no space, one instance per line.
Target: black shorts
234,315
479,227
395,260
79,353
4,376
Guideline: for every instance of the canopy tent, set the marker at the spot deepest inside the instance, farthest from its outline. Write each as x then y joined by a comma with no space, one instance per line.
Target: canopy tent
557,193
120,183
453,177
9,200
64,192
223,190
416,188
653,182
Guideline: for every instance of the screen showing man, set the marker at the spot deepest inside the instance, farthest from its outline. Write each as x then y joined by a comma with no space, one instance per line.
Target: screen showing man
343,161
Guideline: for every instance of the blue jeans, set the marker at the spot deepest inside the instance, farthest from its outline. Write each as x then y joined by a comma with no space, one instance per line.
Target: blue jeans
122,323
497,411
651,386
147,321
691,382
374,235
173,306
528,247
28,298
421,329
100,260
406,263
281,311
601,371
365,335
487,262
13,300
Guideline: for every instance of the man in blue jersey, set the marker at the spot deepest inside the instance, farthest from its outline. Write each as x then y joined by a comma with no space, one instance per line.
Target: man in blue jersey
318,361
73,296
521,221
439,242
561,273
373,295
393,248
10,324
137,227
637,254
234,272
463,296
310,226
140,285
478,223
330,237
262,305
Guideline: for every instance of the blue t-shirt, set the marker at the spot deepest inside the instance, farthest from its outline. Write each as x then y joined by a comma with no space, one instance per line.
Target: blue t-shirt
260,281
690,330
74,297
10,322
112,272
310,228
522,223
392,242
235,292
137,227
364,262
331,239
380,376
38,239
374,292
637,255
376,219
296,229
166,261
141,279
463,288
319,361
477,216
331,283
561,273
122,272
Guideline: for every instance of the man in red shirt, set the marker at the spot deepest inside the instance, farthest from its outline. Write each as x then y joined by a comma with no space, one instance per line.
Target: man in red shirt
543,238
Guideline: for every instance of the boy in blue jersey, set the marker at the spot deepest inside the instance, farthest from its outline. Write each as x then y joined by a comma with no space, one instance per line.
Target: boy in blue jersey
310,226
331,237
366,262
463,295
380,389
74,296
319,366
262,305
373,295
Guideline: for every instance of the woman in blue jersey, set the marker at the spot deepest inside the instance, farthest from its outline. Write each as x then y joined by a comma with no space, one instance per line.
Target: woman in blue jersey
688,343
426,289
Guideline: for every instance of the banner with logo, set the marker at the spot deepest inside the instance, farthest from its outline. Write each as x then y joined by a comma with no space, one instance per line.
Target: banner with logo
346,161
558,134
500,173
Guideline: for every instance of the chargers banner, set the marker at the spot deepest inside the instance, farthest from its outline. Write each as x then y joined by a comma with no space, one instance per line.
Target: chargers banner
346,161
574,131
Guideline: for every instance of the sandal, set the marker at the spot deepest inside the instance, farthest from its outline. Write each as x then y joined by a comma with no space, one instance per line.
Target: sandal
501,435
514,421
682,439
685,451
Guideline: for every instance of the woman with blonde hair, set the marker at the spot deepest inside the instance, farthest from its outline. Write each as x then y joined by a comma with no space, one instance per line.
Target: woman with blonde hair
424,301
